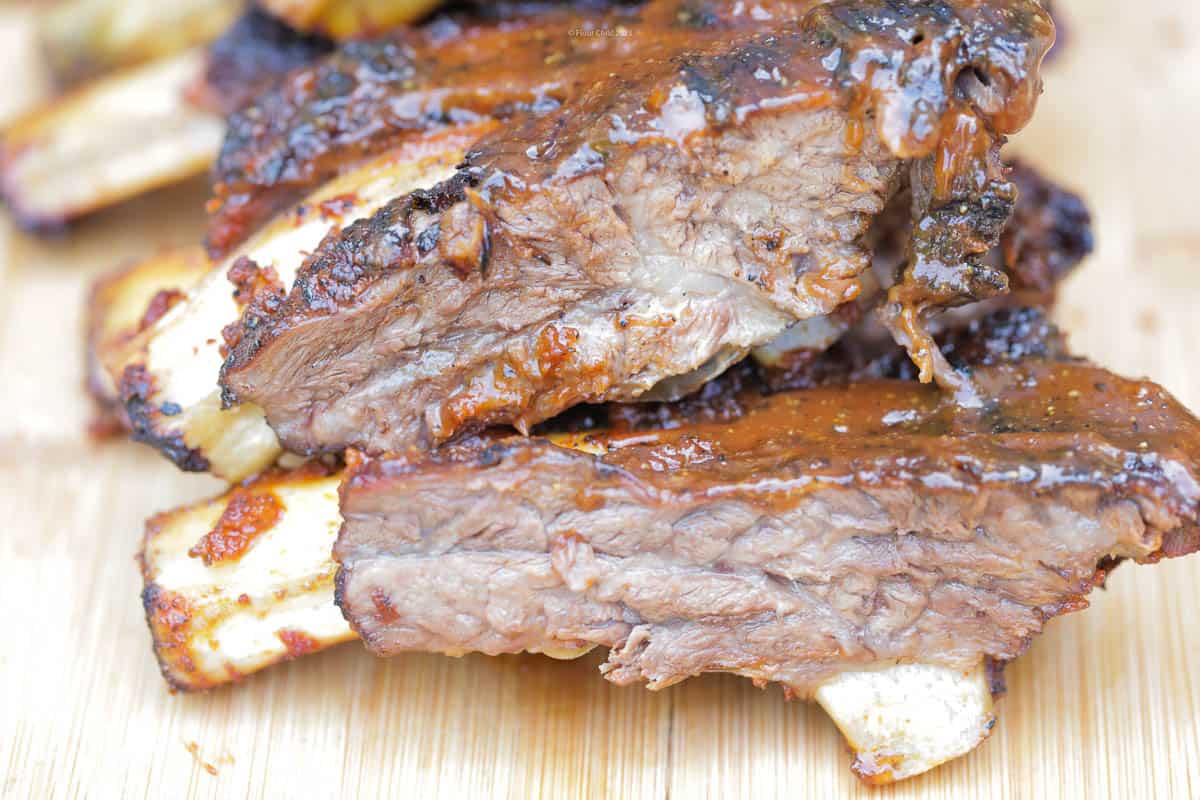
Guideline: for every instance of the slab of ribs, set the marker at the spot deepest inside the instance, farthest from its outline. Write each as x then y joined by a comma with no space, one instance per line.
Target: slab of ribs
713,334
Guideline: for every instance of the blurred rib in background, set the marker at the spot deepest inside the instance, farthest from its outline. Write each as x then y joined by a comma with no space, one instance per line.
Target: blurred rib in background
140,88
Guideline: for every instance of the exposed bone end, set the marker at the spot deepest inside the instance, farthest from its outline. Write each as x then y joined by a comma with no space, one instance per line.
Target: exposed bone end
113,139
119,304
214,623
904,720
566,653
81,38
173,366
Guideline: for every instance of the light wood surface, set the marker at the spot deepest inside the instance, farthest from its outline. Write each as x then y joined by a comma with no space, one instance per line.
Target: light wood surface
1106,703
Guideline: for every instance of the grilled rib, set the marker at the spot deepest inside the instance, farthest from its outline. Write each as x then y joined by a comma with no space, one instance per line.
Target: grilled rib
148,125
822,530
658,226
1063,238
971,528
107,141
215,623
368,96
243,581
85,38
298,504
168,374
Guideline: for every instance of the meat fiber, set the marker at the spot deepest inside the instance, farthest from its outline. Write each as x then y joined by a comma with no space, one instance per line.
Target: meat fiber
805,534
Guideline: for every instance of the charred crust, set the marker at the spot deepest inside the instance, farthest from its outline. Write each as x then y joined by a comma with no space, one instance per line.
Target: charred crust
259,294
229,398
310,111
968,222
348,261
445,194
252,55
340,581
427,239
1006,336
137,386
1050,233
343,107
963,220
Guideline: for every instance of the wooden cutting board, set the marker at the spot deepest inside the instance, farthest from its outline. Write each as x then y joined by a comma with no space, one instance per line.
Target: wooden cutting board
1105,704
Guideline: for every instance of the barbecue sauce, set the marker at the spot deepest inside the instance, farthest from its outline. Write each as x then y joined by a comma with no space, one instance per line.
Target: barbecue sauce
248,516
1046,425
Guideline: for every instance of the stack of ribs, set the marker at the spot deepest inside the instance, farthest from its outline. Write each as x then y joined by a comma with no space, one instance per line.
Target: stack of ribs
714,334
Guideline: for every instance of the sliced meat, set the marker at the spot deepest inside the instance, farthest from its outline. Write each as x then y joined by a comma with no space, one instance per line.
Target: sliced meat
676,213
168,372
820,531
210,618
172,392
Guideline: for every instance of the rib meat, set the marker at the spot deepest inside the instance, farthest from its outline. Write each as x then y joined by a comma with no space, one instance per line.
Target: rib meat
277,530
812,532
666,219
824,580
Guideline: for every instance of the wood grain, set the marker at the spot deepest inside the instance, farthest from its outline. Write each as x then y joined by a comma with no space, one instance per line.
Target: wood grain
1106,704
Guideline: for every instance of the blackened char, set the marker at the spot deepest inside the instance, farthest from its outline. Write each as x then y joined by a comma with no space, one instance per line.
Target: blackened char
1050,232
676,213
362,99
253,56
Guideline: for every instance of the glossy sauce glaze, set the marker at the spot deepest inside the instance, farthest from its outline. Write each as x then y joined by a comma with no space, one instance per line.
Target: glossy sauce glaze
1067,404
832,528
1046,425
367,96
